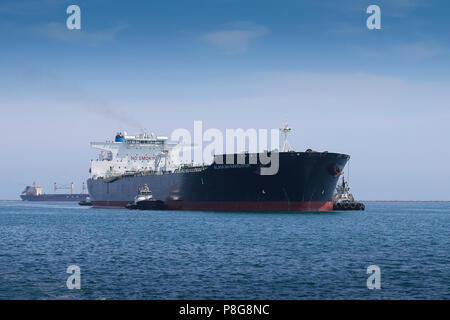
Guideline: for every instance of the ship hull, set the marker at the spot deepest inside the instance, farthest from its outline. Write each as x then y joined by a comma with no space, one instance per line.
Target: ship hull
305,181
55,197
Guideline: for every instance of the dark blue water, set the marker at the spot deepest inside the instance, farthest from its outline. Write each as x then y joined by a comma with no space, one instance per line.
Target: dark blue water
203,255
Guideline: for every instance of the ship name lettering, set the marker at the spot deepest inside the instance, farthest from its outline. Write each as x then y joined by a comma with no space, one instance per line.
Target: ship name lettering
142,158
228,166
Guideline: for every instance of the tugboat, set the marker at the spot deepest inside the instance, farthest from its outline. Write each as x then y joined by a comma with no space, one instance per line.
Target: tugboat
86,202
145,201
344,200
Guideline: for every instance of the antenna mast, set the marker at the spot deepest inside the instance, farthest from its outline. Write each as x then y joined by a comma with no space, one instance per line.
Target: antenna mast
286,146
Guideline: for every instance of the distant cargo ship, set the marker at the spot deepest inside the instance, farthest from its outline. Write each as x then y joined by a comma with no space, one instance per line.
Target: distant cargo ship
305,181
34,193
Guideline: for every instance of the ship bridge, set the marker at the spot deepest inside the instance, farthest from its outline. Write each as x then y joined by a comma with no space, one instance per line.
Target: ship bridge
131,154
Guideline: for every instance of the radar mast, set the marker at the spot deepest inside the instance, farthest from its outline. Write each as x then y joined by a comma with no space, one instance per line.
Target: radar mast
286,130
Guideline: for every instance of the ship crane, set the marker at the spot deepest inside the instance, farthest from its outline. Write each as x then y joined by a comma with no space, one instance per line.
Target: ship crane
286,146
63,187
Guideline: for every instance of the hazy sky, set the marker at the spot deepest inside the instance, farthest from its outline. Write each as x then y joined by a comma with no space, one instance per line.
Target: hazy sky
382,96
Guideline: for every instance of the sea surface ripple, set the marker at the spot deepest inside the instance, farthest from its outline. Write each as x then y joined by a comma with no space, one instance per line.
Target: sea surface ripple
126,254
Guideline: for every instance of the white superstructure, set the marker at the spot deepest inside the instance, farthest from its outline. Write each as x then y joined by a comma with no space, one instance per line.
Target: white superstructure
131,155
343,192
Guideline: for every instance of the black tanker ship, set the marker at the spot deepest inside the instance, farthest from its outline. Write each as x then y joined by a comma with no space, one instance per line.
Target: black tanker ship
305,181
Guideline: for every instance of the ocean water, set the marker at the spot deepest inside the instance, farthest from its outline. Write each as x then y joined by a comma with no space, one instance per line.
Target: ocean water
126,254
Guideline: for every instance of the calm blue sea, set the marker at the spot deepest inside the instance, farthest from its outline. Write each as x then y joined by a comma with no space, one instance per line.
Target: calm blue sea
207,255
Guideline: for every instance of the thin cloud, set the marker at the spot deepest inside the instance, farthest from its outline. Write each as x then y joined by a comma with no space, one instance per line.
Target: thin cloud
413,51
409,4
59,31
346,29
31,7
419,50
236,38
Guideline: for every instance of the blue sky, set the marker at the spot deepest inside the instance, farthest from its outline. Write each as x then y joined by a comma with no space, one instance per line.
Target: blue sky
381,96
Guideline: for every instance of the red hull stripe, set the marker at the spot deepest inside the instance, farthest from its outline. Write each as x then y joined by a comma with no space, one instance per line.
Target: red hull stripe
244,206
